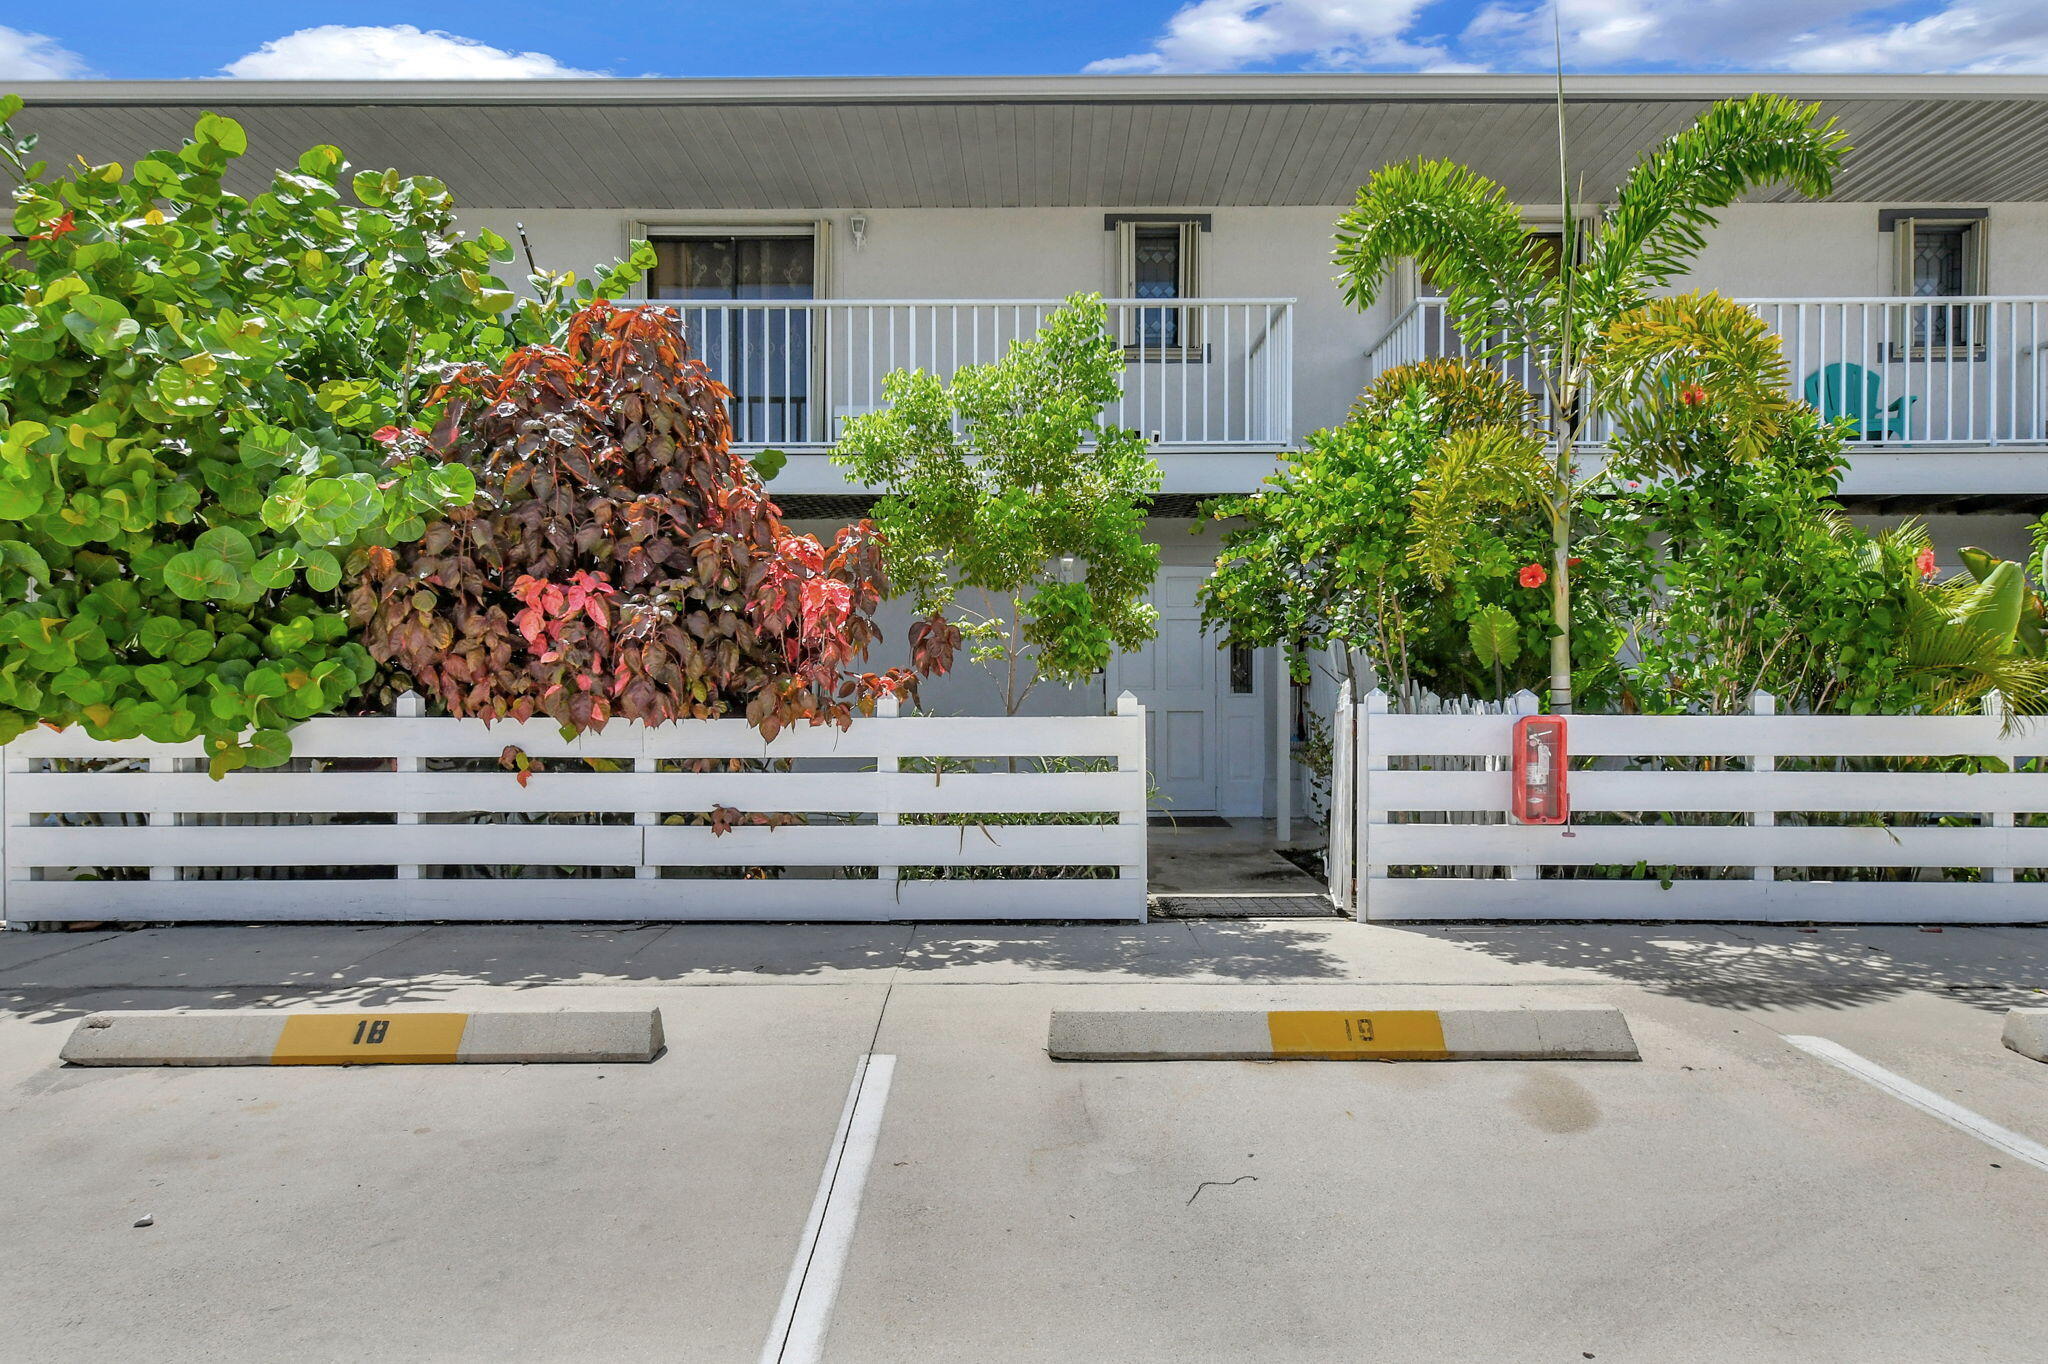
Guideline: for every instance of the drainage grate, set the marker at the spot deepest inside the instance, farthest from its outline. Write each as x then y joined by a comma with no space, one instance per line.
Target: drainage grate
1243,907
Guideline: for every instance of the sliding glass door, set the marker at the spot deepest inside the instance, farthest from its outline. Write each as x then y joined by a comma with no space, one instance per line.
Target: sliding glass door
733,294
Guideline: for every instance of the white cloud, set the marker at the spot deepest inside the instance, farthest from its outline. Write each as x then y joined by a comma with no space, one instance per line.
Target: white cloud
390,52
1767,35
1996,35
1228,35
32,57
1754,35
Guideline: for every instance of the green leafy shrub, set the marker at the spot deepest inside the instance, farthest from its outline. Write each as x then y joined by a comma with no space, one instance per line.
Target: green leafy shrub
205,408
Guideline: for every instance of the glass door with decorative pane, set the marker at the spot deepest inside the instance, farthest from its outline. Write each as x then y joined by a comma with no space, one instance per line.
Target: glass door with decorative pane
734,294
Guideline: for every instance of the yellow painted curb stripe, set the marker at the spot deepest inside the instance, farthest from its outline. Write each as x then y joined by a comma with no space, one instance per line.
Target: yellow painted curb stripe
1334,1035
369,1039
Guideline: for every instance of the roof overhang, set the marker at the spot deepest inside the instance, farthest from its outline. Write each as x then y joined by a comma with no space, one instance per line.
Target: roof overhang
1003,141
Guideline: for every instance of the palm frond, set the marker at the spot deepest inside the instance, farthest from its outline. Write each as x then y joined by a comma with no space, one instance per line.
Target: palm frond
1488,467
1455,392
1954,661
1689,363
1662,214
1464,233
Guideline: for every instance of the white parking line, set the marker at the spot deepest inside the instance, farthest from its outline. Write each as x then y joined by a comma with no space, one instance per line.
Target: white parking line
805,1313
1927,1101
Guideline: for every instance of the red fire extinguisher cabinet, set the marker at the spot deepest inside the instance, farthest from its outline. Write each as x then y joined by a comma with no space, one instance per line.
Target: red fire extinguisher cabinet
1539,795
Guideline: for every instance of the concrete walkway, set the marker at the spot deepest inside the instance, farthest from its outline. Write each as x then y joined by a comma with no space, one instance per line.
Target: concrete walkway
1239,860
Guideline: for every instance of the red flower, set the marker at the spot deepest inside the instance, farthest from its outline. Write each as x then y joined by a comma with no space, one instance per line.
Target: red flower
1533,575
1692,395
1925,563
386,435
57,229
1573,563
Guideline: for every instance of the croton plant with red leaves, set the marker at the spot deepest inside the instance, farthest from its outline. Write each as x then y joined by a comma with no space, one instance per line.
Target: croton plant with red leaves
620,561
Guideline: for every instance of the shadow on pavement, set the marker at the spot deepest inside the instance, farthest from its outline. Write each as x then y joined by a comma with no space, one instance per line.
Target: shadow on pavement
59,977
1761,967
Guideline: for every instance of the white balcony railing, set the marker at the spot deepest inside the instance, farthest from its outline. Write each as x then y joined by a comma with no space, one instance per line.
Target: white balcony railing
1906,371
1211,373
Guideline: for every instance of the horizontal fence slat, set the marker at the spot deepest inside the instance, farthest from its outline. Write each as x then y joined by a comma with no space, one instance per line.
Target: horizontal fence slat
1909,902
323,845
825,845
252,792
439,737
1849,736
711,899
1705,792
1783,845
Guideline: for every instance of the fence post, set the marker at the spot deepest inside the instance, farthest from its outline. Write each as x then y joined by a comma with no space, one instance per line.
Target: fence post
1283,757
1763,703
887,708
1523,702
1343,812
645,870
1365,871
408,706
1135,815
1994,706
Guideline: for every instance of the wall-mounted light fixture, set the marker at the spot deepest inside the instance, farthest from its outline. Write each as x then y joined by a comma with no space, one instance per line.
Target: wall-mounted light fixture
857,226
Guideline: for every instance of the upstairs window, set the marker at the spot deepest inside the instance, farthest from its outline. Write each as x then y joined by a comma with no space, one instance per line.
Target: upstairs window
1937,254
740,299
1156,259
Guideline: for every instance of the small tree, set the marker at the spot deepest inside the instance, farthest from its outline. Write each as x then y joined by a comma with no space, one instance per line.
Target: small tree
1466,235
1326,553
995,482
620,561
203,408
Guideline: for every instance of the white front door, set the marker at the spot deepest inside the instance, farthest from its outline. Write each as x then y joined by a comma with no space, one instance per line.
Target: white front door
1204,741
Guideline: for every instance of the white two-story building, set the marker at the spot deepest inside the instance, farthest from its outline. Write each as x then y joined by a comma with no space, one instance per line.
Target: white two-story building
820,233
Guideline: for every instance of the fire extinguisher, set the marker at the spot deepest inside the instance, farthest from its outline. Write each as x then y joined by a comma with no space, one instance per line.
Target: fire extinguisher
1539,776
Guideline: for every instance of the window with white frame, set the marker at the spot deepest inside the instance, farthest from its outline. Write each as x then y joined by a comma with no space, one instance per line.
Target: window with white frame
1157,259
1937,254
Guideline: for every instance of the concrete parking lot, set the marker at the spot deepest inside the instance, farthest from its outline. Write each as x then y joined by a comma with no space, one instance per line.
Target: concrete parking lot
1729,1197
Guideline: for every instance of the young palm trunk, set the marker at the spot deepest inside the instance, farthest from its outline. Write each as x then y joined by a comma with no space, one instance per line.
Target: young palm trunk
1561,576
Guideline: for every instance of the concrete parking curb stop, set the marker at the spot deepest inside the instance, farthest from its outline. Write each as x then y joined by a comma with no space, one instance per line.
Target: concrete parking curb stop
261,1037
1546,1034
2026,1032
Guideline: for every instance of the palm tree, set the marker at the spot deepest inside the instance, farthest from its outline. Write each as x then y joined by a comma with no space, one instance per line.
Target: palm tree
1591,324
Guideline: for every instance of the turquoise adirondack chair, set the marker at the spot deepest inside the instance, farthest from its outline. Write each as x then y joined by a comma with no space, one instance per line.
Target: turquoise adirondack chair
1846,390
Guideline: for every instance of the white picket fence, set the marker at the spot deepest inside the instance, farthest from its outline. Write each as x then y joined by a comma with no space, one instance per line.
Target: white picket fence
394,819
1785,830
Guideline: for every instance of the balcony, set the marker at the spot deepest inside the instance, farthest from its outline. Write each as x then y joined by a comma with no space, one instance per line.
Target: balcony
1209,376
1947,396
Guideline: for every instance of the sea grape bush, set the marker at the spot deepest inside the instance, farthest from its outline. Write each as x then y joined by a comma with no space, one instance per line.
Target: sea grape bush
203,401
619,560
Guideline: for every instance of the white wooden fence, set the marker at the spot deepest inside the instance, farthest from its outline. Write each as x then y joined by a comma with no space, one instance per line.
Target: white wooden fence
1794,819
411,818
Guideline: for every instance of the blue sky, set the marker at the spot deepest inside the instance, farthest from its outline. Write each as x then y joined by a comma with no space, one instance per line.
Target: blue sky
131,39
